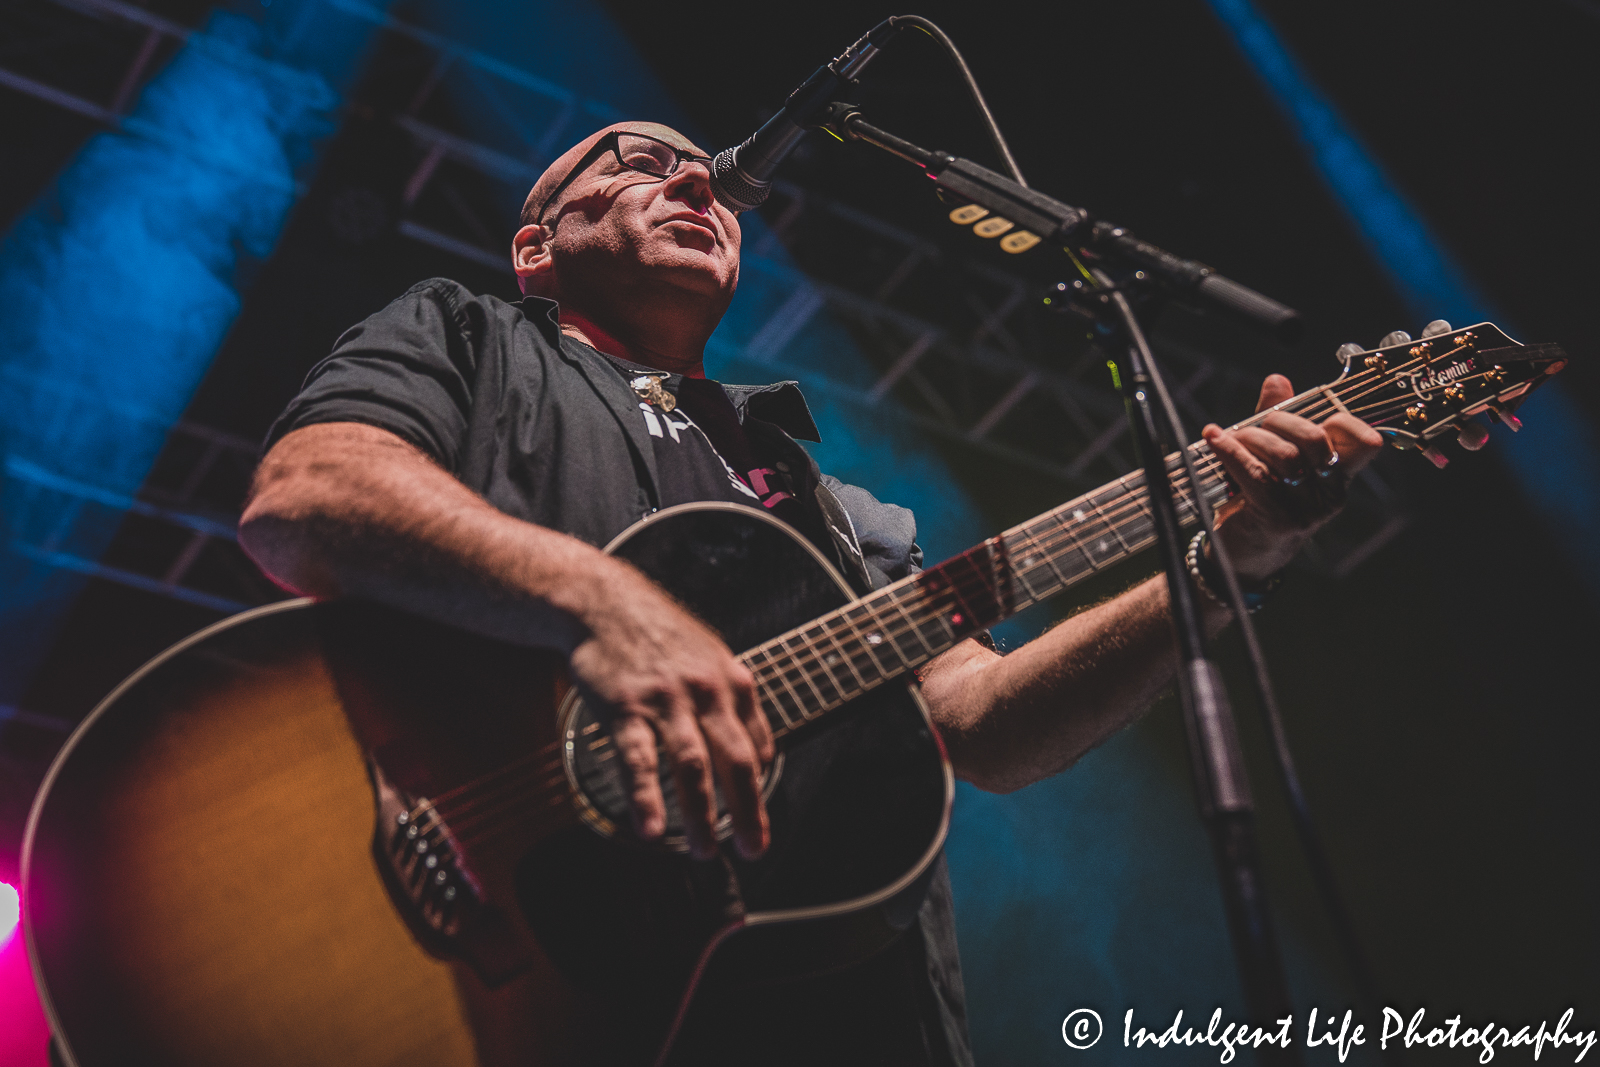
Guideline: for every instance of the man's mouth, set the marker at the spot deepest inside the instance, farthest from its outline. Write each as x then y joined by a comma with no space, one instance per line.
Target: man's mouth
694,220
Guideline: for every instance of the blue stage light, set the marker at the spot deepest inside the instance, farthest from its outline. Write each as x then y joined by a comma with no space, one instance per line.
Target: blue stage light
121,281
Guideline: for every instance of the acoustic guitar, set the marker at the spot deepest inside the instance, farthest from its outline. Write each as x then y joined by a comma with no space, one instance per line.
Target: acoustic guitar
338,834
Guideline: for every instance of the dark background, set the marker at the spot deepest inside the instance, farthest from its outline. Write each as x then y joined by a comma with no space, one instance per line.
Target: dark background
1440,698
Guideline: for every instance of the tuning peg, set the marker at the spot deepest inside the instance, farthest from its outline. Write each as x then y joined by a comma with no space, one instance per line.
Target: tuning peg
1348,351
1438,458
1473,435
1435,328
1500,414
1398,337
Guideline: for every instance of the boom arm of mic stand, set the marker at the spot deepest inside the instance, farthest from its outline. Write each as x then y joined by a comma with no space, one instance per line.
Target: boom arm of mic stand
1059,223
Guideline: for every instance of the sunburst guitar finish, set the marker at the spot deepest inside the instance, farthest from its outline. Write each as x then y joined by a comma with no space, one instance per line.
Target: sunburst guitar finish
223,865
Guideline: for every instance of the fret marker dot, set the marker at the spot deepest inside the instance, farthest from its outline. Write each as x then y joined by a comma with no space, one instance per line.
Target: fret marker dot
831,658
1027,561
1078,514
874,639
957,619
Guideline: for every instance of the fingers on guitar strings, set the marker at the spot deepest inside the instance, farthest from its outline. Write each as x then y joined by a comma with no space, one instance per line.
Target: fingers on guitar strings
754,719
691,773
1244,466
1284,458
636,748
1274,467
1303,446
1275,389
738,767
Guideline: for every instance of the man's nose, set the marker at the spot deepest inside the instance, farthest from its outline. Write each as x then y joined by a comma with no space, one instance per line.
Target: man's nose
691,183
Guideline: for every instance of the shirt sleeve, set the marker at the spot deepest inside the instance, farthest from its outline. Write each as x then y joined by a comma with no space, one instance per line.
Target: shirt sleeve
888,537
408,369
887,533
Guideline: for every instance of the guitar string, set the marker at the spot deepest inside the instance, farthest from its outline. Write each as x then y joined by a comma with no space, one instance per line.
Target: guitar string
903,619
1089,529
513,805
1133,499
549,784
463,807
773,673
457,799
450,794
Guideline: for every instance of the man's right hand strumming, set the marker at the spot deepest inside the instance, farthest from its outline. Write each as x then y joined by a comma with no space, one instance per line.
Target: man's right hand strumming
345,509
659,673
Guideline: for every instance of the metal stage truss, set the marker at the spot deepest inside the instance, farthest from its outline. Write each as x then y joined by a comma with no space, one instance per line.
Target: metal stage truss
953,342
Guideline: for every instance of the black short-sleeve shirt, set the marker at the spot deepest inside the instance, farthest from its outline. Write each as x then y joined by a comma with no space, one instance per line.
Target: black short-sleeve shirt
548,430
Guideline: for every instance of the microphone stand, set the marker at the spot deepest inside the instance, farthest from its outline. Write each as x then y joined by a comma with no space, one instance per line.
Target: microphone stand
1222,784
1223,788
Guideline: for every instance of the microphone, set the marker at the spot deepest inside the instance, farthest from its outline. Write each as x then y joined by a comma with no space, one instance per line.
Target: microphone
741,177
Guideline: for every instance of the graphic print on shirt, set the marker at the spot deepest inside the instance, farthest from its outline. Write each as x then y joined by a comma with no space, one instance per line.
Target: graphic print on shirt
764,484
770,495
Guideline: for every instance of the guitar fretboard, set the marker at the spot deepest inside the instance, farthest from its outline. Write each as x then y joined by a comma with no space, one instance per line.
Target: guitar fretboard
808,672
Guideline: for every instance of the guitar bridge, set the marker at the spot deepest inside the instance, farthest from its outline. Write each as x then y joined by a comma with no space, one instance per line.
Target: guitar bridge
421,864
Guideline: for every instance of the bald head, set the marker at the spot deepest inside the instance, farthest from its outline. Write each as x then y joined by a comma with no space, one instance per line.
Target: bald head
567,160
646,258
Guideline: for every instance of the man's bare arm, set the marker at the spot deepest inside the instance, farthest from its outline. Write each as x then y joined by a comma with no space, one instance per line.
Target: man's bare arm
1009,721
345,509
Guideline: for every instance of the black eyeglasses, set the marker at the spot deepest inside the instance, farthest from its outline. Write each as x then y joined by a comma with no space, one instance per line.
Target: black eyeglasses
635,151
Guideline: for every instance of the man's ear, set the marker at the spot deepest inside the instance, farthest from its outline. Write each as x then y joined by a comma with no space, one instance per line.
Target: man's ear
530,254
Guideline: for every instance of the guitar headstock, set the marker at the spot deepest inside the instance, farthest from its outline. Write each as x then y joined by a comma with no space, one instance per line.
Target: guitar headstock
1416,392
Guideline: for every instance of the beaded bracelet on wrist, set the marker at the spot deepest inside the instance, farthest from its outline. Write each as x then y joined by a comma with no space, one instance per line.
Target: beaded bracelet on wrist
1208,577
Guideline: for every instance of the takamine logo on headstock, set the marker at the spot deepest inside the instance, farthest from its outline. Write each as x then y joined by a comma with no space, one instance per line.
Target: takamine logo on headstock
1415,392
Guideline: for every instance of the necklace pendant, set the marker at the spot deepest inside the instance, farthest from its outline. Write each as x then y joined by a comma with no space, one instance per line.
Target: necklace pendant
648,386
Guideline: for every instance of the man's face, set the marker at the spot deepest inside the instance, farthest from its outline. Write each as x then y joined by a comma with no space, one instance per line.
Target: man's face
618,228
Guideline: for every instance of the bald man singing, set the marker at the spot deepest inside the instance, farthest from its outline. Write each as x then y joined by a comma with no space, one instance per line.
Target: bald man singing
464,457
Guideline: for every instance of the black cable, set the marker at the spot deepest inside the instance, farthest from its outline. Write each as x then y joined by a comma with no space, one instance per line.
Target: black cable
1300,810
989,123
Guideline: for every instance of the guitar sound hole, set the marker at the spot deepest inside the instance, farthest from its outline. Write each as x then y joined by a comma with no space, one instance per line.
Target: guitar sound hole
595,772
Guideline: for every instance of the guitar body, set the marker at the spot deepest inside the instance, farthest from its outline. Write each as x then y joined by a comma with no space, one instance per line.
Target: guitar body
221,866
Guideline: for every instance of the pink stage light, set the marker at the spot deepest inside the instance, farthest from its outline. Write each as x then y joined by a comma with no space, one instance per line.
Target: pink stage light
24,1034
10,912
